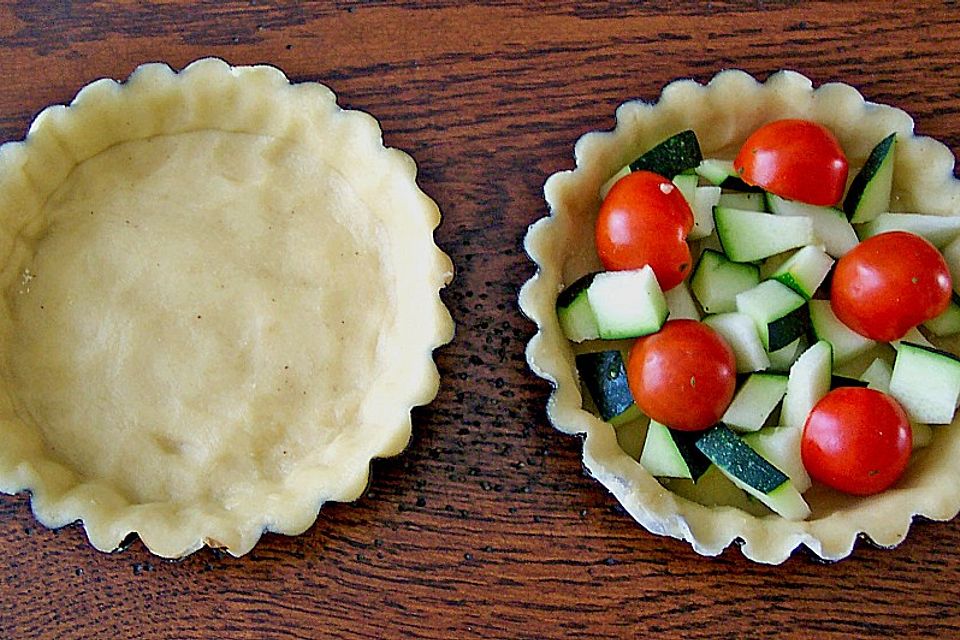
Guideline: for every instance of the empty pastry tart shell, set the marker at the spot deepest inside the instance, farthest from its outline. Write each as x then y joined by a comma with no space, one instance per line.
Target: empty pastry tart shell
301,124
723,113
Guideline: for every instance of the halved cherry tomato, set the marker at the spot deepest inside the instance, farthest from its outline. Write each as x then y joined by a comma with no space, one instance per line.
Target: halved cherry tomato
644,220
682,376
856,440
795,159
890,283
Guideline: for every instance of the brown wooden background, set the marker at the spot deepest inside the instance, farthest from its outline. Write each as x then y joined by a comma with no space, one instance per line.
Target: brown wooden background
486,526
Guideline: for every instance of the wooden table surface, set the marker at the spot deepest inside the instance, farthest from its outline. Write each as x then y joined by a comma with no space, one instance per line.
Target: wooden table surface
487,525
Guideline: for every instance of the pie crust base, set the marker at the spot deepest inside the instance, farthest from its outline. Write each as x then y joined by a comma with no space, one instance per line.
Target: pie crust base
221,303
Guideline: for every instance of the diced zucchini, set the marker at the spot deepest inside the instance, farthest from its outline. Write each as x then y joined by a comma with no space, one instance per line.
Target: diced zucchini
745,201
679,153
574,312
740,332
630,437
926,382
680,303
716,171
768,266
627,304
748,235
913,336
781,447
722,174
847,344
754,401
606,186
808,382
939,231
805,270
877,375
869,193
704,200
751,472
716,281
687,184
829,225
947,323
713,489
605,378
668,453
782,359
779,312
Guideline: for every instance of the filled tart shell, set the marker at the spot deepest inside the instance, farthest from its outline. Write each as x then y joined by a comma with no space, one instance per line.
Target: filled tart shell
723,113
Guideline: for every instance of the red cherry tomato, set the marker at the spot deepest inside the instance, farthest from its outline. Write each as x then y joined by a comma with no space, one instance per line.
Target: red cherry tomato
682,376
645,220
889,284
795,159
856,440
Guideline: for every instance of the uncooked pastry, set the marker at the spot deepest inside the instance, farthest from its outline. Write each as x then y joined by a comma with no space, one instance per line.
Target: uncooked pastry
221,303
723,113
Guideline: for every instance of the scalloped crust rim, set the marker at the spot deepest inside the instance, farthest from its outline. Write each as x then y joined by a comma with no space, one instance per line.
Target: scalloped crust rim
723,112
210,95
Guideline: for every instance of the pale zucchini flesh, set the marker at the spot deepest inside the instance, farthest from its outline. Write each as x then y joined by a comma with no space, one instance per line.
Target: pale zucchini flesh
755,401
847,344
740,332
747,236
877,375
680,303
808,382
939,231
627,304
704,200
927,383
716,281
830,225
805,270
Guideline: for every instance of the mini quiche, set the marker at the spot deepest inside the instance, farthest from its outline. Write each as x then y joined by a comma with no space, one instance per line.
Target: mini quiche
221,301
730,461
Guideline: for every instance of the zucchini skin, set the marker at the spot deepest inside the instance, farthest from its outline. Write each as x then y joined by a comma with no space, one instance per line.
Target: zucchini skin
581,284
728,451
604,374
677,154
785,330
686,442
837,381
935,351
866,174
737,184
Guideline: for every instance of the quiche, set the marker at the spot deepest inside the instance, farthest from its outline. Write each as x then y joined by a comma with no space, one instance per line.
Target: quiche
722,114
221,301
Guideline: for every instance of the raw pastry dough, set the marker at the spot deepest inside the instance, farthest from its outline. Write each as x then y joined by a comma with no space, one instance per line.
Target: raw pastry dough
221,302
723,113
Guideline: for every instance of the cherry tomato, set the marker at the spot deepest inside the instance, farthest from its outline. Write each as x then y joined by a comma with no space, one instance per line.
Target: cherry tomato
795,159
682,376
645,220
856,440
889,284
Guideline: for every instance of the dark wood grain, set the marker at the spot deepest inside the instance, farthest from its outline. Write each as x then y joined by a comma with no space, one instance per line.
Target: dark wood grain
486,526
